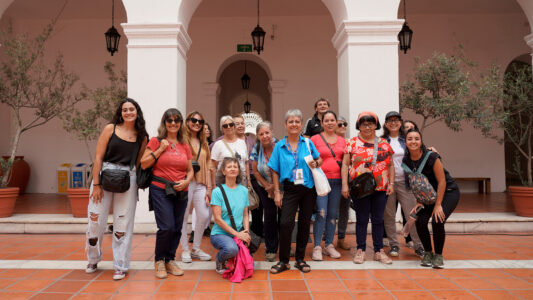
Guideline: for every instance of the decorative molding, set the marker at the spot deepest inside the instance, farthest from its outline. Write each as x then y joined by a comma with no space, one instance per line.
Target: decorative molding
366,32
150,35
277,86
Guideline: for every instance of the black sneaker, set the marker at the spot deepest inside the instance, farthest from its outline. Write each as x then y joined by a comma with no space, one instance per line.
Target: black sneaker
420,252
394,251
191,237
220,267
207,232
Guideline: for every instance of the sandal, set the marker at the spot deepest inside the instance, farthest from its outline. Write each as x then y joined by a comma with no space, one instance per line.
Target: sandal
302,266
279,267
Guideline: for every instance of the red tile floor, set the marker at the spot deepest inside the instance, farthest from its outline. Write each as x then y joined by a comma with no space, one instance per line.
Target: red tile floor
418,283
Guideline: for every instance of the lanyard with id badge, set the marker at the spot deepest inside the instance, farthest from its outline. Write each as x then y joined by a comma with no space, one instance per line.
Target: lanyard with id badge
297,173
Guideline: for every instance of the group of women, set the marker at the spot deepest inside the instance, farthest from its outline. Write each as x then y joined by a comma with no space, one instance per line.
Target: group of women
215,178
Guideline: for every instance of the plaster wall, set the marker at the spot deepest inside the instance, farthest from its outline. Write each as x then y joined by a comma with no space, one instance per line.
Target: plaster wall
486,39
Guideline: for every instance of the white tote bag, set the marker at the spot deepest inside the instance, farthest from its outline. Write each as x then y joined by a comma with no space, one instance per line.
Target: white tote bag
321,181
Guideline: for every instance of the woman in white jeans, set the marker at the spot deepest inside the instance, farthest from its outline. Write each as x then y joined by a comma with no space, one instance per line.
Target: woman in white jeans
121,143
199,188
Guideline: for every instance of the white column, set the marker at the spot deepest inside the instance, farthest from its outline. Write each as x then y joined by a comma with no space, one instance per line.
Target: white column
157,55
367,66
277,105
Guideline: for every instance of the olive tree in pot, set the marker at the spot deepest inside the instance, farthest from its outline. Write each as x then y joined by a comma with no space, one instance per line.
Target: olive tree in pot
508,107
27,84
86,126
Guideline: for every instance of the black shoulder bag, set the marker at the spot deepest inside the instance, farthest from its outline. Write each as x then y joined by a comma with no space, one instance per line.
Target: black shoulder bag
255,240
332,153
117,180
364,184
195,164
145,176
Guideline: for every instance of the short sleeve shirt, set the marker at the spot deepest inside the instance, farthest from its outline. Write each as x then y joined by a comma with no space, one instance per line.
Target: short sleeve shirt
428,170
330,166
239,149
238,201
361,155
173,162
283,161
258,155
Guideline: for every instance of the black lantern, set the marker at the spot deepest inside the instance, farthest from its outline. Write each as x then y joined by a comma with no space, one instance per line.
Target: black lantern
247,106
112,37
406,34
258,35
245,79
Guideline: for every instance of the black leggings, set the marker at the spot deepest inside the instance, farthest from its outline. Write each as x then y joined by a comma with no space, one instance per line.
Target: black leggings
449,203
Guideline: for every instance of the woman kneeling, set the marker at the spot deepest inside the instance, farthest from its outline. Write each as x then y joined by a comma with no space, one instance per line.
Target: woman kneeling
229,175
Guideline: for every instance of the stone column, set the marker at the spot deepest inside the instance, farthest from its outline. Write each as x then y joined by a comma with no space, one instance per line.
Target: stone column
367,59
157,55
277,105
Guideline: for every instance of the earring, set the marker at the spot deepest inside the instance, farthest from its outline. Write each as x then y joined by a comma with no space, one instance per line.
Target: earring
120,119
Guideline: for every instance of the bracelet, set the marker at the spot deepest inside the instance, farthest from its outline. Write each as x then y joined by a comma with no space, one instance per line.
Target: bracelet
153,155
97,184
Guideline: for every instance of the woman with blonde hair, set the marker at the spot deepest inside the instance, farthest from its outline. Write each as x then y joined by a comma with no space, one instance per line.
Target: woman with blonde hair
200,187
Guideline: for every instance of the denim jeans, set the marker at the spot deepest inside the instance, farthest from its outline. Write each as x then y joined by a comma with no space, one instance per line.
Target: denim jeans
226,246
344,214
328,212
169,212
124,205
271,217
371,206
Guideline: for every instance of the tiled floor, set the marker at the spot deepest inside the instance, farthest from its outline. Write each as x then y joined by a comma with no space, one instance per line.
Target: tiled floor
417,283
59,204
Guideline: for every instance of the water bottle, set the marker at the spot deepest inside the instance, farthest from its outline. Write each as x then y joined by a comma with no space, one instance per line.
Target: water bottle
412,219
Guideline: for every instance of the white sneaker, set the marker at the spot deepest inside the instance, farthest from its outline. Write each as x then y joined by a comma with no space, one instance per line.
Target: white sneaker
91,268
118,275
201,255
186,256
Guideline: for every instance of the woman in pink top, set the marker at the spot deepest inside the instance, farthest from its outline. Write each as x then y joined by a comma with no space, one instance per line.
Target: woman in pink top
331,149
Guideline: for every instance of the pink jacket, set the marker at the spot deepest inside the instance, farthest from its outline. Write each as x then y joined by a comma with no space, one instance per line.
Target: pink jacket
241,266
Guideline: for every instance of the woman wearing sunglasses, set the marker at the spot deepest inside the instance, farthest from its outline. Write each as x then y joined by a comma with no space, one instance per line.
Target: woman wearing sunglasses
171,159
230,146
200,187
344,205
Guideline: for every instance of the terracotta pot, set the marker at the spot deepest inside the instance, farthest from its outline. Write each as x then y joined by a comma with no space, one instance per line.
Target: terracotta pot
79,201
20,173
522,199
8,197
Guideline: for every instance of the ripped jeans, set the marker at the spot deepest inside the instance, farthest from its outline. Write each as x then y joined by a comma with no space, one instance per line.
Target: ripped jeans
328,212
124,205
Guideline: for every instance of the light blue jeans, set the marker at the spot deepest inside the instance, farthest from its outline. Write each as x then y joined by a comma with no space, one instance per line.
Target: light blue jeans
327,213
226,246
124,205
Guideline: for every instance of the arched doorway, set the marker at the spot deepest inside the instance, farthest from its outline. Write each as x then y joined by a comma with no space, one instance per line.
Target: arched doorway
231,96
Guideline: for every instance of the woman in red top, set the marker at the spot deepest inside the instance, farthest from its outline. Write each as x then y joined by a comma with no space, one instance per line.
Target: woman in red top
357,160
170,157
331,149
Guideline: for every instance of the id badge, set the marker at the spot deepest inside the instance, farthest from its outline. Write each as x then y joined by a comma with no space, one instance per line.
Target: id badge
298,176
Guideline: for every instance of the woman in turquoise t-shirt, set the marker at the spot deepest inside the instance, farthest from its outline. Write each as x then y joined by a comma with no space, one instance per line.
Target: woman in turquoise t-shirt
229,175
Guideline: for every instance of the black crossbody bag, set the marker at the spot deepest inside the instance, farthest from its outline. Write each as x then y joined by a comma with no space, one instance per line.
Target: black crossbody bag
364,184
195,164
255,240
116,180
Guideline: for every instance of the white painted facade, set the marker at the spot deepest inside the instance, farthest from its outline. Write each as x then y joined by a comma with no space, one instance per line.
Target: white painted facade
346,50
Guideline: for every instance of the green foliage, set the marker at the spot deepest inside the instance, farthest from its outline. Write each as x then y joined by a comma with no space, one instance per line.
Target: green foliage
508,106
439,91
102,103
27,83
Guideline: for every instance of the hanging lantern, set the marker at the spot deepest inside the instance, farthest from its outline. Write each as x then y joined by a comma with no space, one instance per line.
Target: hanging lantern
112,37
404,37
406,34
258,35
247,106
245,79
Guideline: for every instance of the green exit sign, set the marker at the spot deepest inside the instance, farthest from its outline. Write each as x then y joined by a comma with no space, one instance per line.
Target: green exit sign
244,48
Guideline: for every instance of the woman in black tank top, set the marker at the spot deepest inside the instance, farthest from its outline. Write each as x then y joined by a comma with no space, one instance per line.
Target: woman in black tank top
121,142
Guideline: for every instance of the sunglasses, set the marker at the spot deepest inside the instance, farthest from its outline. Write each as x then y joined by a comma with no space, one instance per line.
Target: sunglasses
194,121
175,121
340,124
226,126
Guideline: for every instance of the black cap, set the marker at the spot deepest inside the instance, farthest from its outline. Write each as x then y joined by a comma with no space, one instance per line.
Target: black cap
391,114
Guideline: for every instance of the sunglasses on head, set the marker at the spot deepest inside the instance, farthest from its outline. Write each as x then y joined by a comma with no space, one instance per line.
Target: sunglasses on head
199,121
340,124
173,120
226,126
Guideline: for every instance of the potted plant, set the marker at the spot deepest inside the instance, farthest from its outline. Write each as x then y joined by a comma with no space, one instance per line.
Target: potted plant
28,84
509,108
87,124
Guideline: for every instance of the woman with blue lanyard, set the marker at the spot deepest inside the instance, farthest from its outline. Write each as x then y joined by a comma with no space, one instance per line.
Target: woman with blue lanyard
291,170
